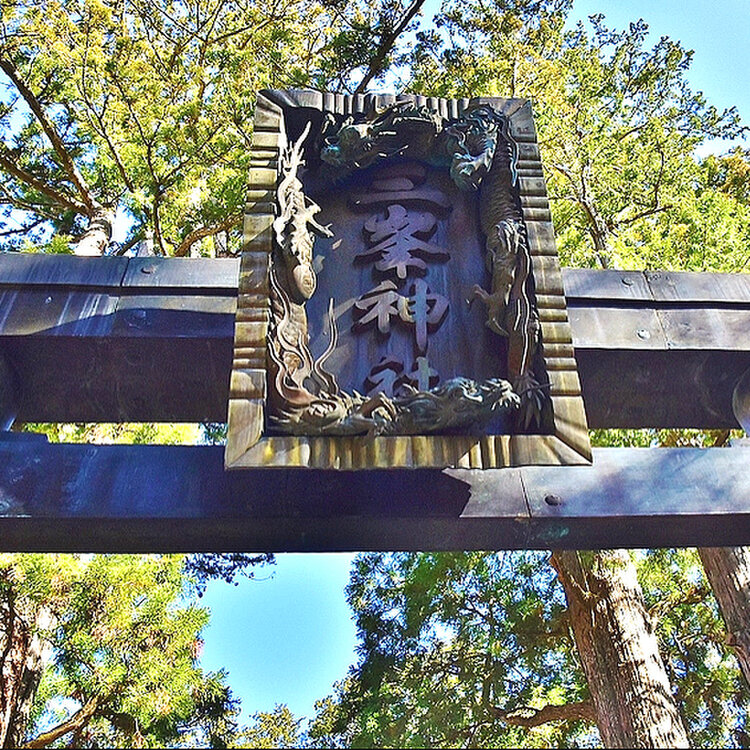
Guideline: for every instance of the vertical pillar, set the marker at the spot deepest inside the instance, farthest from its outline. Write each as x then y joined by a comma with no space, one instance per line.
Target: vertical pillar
9,394
741,402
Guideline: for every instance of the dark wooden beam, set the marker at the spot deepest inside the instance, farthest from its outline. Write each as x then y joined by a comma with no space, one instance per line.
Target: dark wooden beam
146,339
659,348
116,498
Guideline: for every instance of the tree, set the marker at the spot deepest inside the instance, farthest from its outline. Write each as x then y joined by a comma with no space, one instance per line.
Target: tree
618,122
141,106
277,728
479,649
121,644
458,650
619,650
119,636
145,106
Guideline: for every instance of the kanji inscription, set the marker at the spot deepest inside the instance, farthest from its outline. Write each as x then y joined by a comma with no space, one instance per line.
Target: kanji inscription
397,239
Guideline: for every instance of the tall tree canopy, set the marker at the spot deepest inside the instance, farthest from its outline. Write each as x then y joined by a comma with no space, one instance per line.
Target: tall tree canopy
103,651
145,107
618,125
477,650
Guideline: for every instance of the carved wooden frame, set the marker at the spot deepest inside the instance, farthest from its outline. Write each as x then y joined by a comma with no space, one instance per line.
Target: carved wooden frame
247,446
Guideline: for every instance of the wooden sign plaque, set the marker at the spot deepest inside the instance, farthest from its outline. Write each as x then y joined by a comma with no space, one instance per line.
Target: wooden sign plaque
400,298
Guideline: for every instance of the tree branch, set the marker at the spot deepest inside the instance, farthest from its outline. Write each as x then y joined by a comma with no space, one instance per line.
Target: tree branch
42,187
386,44
76,722
6,196
643,215
694,595
24,229
528,717
198,234
102,130
57,143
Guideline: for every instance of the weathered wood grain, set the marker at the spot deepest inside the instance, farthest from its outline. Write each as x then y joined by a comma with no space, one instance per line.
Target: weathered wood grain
460,342
104,352
170,498
247,384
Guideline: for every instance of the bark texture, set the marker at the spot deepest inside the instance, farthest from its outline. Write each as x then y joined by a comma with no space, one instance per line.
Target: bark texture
96,238
23,652
728,572
618,650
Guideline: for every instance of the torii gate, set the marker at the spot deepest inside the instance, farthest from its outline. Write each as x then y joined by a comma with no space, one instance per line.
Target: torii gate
151,339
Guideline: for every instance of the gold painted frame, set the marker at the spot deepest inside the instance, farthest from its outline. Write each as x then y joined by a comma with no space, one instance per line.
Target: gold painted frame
247,446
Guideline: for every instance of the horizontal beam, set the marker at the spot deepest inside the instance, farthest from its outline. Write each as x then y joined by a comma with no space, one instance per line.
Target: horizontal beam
146,339
136,498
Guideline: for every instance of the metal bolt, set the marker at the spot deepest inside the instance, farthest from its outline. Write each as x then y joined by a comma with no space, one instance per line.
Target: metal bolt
627,281
553,500
148,269
47,300
643,333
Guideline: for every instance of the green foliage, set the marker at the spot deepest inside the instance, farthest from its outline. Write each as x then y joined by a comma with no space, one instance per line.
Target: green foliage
710,692
105,433
147,107
649,438
618,125
126,640
366,44
450,646
152,103
277,728
456,647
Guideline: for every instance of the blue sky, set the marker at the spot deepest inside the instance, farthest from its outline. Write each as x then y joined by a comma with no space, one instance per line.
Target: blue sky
287,636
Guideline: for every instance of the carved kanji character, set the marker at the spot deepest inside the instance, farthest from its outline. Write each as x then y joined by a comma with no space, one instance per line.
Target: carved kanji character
380,304
422,375
385,376
399,241
425,310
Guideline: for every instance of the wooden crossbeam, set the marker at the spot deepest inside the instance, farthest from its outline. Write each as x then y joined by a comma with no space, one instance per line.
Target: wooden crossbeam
139,498
112,339
147,339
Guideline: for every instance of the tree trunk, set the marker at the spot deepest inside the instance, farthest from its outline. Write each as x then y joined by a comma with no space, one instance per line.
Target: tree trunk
23,653
728,572
618,650
96,238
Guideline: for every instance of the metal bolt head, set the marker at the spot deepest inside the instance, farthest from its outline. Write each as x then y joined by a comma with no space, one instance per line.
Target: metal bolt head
148,269
643,333
553,500
627,281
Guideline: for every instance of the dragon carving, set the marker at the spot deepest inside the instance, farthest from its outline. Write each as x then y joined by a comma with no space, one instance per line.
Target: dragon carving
465,146
510,310
295,221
